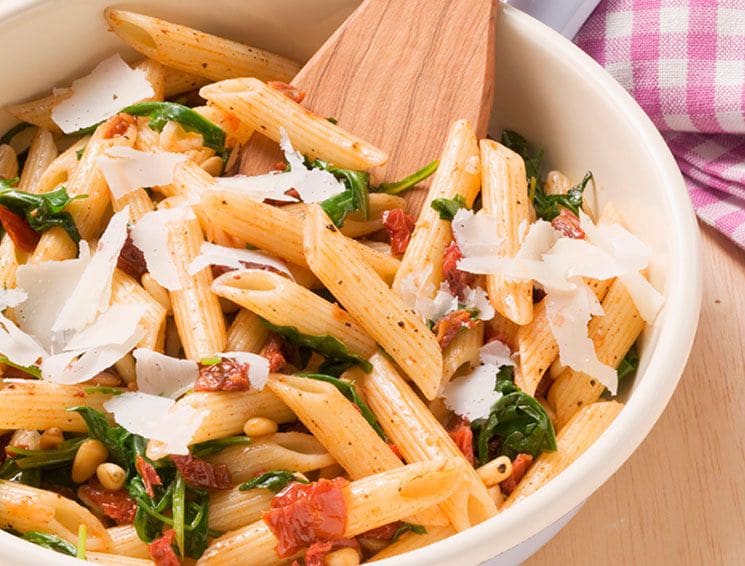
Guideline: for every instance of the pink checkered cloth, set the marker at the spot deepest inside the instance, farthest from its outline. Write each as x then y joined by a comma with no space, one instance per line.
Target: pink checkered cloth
684,63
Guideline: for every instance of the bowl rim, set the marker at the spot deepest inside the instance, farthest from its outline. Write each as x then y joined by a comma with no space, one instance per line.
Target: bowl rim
605,456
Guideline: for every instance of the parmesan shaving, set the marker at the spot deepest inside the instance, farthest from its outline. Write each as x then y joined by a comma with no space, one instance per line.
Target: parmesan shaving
111,86
647,299
212,254
17,346
476,234
158,374
126,169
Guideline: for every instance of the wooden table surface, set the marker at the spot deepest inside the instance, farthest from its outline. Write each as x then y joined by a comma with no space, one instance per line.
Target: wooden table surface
680,499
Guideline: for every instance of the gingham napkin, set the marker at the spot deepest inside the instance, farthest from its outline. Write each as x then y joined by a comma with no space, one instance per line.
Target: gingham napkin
684,62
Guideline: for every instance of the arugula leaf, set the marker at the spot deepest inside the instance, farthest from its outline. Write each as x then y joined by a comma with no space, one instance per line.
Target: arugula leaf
25,459
178,510
447,207
415,178
275,481
82,541
629,364
197,529
210,447
408,528
325,345
51,542
31,370
103,390
117,440
42,211
519,421
354,199
160,113
79,153
13,132
505,373
347,389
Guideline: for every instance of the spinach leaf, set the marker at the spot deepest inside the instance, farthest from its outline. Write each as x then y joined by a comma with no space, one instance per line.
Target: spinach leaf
447,207
408,528
42,211
408,182
178,510
354,199
197,530
325,345
505,373
31,370
160,113
149,518
210,447
629,364
275,481
103,390
45,459
51,542
347,389
117,440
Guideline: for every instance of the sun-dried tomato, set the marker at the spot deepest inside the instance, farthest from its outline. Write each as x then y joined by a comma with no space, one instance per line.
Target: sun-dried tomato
131,260
303,514
118,125
386,532
200,474
114,504
448,326
19,230
148,474
462,435
292,92
457,280
399,226
227,375
274,351
161,550
520,466
568,224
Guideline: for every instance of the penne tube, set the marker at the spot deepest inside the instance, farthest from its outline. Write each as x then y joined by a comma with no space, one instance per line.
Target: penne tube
285,303
8,162
464,349
25,508
126,542
233,509
268,111
613,334
247,333
196,310
39,112
8,262
420,437
295,451
196,52
62,168
39,405
322,408
177,82
393,325
371,502
126,291
116,560
41,154
504,195
278,232
457,175
237,133
412,541
584,428
503,330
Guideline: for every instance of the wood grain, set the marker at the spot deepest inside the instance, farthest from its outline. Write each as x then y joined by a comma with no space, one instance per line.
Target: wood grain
398,74
680,499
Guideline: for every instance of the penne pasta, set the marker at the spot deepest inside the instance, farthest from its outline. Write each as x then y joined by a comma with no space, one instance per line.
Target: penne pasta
504,195
126,291
247,333
284,303
62,168
233,509
393,325
268,111
196,52
177,82
39,112
41,154
464,349
412,541
126,542
8,162
115,560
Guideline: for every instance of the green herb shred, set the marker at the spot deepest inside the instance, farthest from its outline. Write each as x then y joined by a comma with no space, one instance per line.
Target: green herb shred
408,182
274,480
448,207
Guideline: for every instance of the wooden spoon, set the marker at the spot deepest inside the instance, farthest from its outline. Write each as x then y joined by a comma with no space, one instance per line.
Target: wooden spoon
398,73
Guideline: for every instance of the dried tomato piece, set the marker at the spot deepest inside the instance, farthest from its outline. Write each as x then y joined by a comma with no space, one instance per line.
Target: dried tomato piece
19,229
316,553
148,474
396,450
227,375
131,259
456,279
462,435
520,466
161,550
292,92
201,474
117,126
568,224
448,326
399,226
116,505
386,532
303,514
274,351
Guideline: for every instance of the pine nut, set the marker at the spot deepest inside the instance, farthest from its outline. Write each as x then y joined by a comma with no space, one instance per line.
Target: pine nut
213,165
51,438
496,471
27,439
259,426
111,476
343,557
90,455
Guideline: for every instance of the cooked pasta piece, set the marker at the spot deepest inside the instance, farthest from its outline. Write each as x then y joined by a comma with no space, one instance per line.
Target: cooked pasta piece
8,162
126,291
196,52
62,168
126,542
116,560
613,334
412,541
233,509
464,349
39,112
504,195
457,175
41,154
247,333
584,428
419,437
285,303
268,110
25,508
178,82
393,325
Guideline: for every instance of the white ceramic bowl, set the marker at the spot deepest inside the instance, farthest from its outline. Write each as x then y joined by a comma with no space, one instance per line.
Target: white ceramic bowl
548,90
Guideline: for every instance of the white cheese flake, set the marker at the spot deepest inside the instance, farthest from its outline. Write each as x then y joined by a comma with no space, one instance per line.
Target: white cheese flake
126,169
476,234
17,346
111,86
496,353
212,254
158,374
